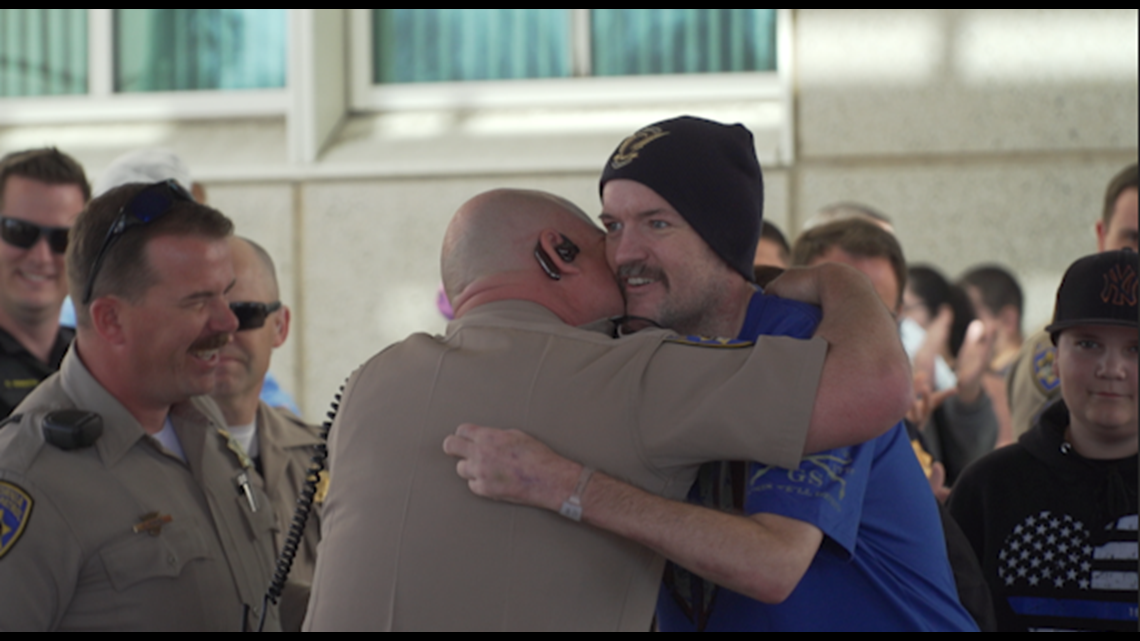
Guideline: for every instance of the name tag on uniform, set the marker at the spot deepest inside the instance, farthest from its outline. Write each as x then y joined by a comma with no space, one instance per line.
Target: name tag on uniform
21,383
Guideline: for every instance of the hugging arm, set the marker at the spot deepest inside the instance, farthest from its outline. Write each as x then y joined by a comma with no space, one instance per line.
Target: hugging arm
865,388
763,556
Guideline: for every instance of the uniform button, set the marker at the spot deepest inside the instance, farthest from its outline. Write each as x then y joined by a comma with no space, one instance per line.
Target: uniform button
170,560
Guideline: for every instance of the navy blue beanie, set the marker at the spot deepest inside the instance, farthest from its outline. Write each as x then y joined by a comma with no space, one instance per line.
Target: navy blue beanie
708,172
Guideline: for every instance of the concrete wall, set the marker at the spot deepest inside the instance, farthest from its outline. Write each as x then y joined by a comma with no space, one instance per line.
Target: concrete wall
988,135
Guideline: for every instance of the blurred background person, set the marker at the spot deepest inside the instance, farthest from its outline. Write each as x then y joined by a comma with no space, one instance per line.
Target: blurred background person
279,443
953,429
773,254
845,210
998,302
42,192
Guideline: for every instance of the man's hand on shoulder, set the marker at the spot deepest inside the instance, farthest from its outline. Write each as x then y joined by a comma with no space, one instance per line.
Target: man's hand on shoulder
508,465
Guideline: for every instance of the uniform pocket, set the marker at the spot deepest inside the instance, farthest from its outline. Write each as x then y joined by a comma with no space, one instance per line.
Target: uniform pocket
143,557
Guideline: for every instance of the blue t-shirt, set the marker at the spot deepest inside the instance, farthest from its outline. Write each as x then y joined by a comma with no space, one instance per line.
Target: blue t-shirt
882,565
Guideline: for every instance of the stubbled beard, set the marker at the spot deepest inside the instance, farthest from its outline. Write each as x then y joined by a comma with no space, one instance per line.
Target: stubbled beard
689,317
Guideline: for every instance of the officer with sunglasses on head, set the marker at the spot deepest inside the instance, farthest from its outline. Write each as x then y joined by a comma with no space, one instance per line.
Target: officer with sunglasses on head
124,503
280,444
153,164
41,193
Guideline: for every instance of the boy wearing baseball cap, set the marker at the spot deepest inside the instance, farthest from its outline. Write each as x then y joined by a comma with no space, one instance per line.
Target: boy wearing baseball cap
1053,518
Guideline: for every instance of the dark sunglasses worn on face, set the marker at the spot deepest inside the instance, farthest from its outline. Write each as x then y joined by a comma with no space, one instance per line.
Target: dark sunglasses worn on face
253,315
23,234
147,205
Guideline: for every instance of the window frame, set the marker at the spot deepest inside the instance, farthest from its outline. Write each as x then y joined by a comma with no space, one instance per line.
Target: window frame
329,88
562,92
102,104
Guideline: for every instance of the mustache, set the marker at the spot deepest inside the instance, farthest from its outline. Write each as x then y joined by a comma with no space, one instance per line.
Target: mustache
639,270
215,341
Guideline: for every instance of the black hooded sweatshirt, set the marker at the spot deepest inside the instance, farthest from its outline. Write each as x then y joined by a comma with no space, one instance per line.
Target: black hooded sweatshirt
1056,533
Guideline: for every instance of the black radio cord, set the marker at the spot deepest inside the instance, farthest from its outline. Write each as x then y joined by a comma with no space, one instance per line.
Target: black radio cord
301,515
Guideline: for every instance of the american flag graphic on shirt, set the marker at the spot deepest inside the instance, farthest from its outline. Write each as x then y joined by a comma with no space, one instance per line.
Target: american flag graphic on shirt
1069,577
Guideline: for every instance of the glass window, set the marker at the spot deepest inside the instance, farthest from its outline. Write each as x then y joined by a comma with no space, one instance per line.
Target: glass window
443,45
43,52
634,42
440,45
195,49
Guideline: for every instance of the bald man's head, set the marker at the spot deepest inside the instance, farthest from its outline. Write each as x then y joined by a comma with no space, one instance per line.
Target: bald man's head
495,232
492,240
245,360
245,251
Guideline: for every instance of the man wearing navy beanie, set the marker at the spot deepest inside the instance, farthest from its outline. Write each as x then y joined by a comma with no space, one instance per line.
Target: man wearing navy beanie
708,172
807,540
682,207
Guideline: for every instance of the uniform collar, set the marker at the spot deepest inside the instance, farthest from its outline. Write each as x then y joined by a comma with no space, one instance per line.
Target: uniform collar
521,314
120,429
506,311
12,347
9,345
271,425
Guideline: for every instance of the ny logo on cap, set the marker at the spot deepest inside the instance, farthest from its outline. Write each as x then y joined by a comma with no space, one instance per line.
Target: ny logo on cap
1120,285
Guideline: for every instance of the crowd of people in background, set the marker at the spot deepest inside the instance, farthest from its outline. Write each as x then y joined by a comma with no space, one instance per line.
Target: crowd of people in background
959,471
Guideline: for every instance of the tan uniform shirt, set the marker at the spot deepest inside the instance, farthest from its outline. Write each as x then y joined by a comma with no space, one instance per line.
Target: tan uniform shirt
1031,382
406,546
286,448
287,445
74,560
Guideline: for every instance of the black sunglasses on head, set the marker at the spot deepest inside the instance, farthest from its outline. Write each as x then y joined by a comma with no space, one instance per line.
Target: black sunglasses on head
147,205
253,315
23,234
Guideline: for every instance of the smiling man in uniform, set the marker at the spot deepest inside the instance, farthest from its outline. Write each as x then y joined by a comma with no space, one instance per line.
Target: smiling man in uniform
41,193
281,444
125,505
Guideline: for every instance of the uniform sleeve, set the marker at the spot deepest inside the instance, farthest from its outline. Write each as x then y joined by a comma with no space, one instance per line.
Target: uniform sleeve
730,403
39,559
826,491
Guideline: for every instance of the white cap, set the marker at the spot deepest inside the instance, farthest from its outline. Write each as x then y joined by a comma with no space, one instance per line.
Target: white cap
142,166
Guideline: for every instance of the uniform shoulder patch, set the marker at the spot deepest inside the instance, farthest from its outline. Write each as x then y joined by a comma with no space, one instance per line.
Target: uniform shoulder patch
1043,375
704,341
15,512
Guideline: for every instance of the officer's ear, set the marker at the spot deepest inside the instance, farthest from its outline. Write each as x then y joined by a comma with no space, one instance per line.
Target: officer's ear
556,254
281,322
107,318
